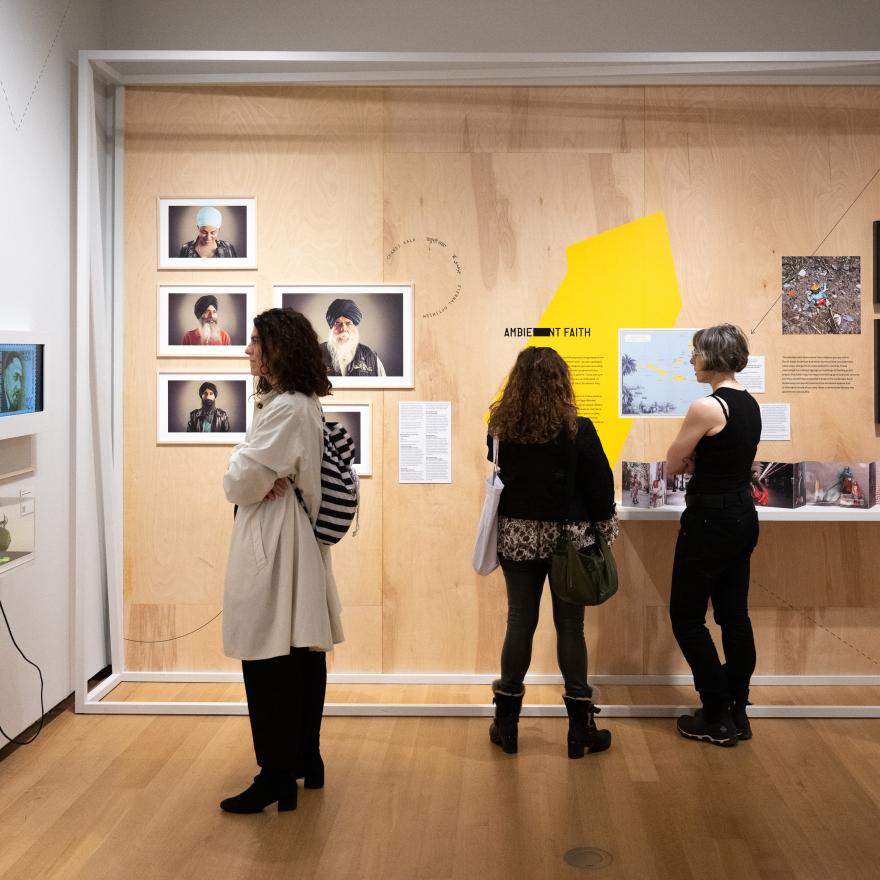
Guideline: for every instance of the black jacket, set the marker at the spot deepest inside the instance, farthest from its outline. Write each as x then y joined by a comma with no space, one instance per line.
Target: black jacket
219,421
535,477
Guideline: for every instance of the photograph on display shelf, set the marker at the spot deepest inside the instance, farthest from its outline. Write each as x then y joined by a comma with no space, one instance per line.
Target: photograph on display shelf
204,408
656,379
821,295
778,484
209,321
357,419
21,378
676,487
840,484
207,233
17,528
365,330
643,484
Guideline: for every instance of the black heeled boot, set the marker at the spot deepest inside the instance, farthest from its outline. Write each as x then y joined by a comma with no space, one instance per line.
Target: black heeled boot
310,764
268,787
582,730
504,729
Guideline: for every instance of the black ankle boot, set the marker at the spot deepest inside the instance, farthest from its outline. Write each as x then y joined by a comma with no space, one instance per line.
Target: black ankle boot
582,731
312,772
504,729
269,786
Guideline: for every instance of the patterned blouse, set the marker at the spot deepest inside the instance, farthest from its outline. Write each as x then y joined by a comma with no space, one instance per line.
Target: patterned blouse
525,539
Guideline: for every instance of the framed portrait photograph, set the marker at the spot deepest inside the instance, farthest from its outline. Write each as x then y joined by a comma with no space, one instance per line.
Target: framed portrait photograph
357,419
207,233
365,330
205,321
203,408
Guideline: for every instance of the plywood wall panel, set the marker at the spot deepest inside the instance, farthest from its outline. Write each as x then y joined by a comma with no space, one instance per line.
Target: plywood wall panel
473,195
513,120
259,143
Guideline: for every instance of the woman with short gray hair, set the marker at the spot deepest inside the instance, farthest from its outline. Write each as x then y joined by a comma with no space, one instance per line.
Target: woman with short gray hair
719,530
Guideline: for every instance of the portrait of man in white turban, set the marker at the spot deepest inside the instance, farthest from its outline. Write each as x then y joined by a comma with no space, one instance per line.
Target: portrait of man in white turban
207,243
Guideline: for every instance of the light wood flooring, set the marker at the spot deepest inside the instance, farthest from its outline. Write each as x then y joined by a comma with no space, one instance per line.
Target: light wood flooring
136,797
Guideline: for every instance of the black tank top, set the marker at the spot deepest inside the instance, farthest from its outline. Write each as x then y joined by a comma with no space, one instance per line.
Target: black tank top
723,462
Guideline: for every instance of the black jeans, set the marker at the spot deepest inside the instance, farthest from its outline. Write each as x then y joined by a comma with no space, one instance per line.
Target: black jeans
712,557
285,697
525,582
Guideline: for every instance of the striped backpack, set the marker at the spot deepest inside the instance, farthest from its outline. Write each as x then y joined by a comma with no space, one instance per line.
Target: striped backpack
340,491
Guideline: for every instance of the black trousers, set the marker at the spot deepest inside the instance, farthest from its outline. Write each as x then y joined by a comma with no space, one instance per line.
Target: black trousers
712,557
525,583
285,697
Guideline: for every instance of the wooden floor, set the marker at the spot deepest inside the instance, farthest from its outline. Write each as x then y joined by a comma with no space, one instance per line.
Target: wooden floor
136,797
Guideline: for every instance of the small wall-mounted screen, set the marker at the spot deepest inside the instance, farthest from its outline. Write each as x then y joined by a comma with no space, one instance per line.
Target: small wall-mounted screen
21,378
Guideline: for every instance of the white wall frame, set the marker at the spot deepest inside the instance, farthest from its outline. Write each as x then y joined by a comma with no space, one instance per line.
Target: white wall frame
122,68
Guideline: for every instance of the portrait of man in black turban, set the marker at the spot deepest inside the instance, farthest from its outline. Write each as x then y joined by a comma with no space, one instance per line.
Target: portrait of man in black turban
344,353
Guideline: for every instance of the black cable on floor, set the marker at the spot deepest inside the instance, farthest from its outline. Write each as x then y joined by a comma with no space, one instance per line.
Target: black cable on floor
24,742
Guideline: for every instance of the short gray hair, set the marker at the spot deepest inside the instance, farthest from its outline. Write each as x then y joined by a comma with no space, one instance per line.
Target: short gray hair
724,348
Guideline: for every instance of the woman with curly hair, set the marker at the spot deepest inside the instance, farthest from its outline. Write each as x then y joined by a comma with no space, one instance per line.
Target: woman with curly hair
557,485
281,611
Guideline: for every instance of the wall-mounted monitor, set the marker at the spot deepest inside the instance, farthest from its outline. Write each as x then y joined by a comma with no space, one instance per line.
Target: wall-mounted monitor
22,371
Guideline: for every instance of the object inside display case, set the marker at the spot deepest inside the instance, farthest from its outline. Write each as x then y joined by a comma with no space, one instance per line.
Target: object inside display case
21,378
16,530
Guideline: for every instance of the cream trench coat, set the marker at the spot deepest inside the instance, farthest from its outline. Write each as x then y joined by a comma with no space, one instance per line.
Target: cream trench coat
280,591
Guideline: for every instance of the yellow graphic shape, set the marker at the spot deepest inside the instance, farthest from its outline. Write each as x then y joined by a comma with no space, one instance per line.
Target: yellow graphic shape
679,378
624,277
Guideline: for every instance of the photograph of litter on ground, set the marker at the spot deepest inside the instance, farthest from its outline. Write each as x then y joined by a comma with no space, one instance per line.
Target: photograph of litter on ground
821,295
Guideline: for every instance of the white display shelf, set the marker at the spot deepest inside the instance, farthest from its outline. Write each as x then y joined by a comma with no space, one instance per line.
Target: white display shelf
807,513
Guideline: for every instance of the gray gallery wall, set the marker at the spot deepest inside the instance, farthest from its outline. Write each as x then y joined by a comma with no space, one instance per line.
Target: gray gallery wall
38,44
497,25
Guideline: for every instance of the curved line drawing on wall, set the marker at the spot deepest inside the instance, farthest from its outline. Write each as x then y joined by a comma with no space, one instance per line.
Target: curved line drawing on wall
17,123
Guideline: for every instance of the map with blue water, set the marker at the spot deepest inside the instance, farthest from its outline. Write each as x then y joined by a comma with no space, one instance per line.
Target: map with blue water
656,379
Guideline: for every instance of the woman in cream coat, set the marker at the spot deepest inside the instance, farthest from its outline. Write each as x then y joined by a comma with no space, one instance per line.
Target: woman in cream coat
281,611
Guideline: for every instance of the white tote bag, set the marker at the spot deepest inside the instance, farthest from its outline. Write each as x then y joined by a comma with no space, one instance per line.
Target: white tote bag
486,548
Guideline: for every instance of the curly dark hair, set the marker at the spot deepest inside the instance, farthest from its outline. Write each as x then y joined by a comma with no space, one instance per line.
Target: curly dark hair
291,354
537,403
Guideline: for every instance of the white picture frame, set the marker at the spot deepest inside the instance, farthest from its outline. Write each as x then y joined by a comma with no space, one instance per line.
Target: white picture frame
178,324
357,419
385,327
178,229
178,400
